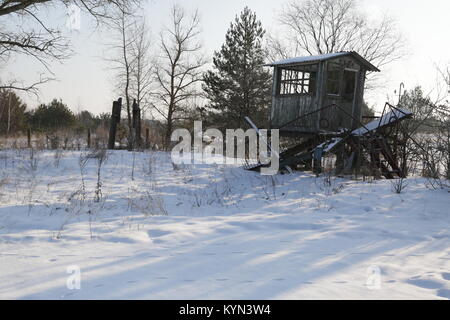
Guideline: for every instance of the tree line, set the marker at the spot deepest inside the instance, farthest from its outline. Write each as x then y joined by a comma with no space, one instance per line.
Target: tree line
179,84
170,76
16,118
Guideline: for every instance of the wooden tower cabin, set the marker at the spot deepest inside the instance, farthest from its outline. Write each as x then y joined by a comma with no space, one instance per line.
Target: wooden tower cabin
303,86
318,100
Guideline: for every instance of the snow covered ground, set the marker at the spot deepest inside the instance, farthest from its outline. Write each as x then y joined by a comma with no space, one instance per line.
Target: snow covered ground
213,232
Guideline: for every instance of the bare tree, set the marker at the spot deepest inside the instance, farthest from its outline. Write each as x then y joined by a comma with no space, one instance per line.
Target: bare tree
120,60
37,38
426,136
443,129
30,88
179,67
315,27
141,68
130,62
445,75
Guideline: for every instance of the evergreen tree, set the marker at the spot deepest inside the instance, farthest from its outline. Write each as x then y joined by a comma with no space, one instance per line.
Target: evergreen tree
87,120
53,116
12,112
423,108
239,85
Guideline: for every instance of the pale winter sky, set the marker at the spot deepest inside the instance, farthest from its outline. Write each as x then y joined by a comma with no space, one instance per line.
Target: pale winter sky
84,82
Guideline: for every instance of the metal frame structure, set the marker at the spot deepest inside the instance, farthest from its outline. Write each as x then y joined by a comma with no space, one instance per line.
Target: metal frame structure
376,144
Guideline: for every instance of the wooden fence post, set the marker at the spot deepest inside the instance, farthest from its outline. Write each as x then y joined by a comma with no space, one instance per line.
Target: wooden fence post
29,137
89,138
317,160
147,138
115,119
137,125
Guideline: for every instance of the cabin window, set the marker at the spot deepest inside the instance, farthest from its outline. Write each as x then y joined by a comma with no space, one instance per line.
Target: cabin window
350,81
297,82
349,84
333,79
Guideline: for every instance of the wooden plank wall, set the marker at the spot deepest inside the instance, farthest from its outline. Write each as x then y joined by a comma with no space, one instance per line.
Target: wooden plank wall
286,108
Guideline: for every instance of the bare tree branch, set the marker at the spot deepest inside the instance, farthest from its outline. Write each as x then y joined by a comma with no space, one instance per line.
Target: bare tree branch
32,88
36,38
315,27
179,66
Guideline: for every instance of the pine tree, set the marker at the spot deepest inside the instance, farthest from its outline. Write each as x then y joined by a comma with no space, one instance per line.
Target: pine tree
239,85
12,112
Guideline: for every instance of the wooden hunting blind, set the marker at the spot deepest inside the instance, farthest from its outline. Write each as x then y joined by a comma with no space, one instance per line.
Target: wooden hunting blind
319,99
318,94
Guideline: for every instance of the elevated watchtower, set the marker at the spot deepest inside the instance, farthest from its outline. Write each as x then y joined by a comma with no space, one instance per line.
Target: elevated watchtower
318,94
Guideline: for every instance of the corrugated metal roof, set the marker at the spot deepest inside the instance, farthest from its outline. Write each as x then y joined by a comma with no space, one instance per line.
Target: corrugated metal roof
387,119
323,57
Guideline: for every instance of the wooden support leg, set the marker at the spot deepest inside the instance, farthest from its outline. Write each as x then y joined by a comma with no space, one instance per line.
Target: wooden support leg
317,160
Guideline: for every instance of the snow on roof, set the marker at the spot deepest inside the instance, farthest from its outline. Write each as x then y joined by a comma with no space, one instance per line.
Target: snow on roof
318,58
387,119
329,145
309,58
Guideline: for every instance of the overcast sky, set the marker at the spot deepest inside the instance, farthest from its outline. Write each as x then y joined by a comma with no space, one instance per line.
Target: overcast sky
84,82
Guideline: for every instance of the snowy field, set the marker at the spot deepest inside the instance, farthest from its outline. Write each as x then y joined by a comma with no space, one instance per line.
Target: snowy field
213,232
